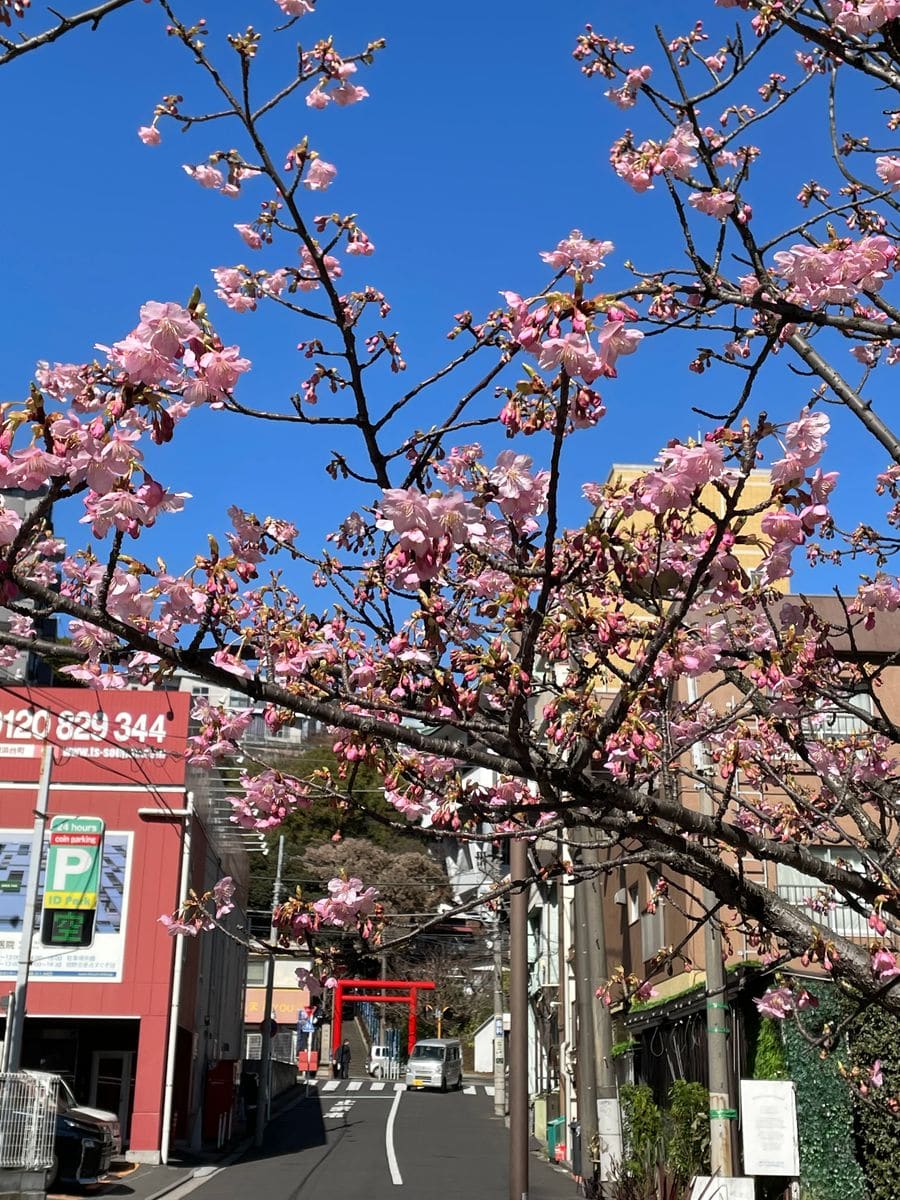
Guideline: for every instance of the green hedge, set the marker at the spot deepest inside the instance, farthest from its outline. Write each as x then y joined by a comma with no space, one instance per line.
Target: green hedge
828,1166
876,1035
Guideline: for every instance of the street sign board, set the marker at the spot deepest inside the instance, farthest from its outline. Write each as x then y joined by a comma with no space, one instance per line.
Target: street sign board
769,1127
72,880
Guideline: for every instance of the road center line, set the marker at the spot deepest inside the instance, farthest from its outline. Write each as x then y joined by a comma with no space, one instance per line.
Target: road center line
396,1177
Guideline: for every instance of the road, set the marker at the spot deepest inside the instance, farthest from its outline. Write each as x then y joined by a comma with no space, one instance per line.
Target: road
364,1140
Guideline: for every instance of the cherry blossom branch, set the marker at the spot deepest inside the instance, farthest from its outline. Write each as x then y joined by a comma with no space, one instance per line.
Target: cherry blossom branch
91,16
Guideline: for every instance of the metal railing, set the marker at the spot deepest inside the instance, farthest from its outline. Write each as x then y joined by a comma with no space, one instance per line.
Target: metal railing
842,919
28,1105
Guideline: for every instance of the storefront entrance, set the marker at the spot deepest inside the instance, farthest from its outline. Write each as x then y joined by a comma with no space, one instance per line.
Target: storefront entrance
112,1083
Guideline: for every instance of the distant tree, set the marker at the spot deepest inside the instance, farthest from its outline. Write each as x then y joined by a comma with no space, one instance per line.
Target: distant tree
357,809
408,882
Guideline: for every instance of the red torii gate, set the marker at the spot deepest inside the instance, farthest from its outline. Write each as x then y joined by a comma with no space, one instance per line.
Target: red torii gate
382,995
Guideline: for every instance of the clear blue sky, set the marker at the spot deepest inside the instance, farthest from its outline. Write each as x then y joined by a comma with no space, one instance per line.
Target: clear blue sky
481,145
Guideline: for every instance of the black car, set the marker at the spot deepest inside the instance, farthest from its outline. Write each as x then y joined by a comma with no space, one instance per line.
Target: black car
85,1143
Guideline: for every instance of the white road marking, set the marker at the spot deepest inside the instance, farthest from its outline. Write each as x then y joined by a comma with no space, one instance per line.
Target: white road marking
340,1109
399,1087
469,1091
396,1177
332,1085
376,1087
354,1087
489,1091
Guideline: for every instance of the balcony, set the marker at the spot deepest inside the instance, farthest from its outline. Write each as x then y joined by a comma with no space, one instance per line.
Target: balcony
842,919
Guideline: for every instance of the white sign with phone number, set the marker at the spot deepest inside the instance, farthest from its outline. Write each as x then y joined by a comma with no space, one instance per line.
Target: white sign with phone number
82,734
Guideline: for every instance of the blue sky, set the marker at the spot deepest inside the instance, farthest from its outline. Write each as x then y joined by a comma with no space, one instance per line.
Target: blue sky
481,145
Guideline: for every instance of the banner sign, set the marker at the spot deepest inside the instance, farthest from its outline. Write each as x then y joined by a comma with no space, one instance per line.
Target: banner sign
111,738
66,960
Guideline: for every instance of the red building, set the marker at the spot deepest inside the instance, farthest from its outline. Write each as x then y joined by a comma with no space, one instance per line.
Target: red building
138,1022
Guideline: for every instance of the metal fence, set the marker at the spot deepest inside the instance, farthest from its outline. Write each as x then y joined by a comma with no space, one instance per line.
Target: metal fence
28,1105
842,919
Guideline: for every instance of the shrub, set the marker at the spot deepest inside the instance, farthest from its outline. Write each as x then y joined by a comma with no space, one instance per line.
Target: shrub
687,1133
641,1132
875,1034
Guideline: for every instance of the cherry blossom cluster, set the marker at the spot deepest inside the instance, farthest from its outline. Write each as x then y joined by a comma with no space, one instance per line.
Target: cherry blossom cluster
836,274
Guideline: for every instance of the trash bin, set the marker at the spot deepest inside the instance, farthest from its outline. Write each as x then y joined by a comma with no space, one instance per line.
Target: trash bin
556,1132
575,1147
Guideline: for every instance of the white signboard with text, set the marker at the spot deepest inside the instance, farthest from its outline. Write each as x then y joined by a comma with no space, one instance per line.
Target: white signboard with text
102,962
769,1127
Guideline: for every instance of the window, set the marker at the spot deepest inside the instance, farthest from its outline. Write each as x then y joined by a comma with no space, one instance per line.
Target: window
256,973
633,901
836,720
796,887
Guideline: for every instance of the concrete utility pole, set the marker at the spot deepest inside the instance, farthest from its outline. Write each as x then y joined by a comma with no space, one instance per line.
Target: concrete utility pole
518,1023
264,1091
499,1031
722,1114
599,973
16,1035
585,1006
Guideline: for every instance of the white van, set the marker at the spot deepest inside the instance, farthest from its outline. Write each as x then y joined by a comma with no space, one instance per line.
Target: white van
379,1061
435,1063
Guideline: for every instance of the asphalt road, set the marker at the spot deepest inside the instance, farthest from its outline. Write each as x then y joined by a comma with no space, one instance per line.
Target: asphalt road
359,1141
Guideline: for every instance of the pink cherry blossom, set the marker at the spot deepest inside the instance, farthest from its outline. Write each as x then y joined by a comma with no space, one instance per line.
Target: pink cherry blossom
347,93
887,168
222,368
250,236
149,135
626,95
577,254
884,964
206,175
164,327
714,204
296,8
862,16
319,175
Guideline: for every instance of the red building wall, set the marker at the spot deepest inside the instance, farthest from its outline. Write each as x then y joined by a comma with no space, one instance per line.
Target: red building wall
125,754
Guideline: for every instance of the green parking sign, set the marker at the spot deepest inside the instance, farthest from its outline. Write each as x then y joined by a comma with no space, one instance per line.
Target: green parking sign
72,881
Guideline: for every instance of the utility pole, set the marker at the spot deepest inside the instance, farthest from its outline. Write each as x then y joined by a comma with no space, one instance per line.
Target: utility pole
598,971
499,1031
382,1036
16,1034
722,1113
264,1096
585,1006
518,1022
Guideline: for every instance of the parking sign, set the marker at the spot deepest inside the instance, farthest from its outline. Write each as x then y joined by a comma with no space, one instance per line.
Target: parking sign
73,876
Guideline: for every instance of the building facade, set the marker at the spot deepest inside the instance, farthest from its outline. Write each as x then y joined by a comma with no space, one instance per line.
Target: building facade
139,1023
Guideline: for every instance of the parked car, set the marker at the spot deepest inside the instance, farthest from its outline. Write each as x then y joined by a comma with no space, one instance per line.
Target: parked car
379,1060
435,1062
86,1141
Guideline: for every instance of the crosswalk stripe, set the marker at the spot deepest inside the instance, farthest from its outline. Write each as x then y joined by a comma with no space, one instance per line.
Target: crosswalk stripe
489,1091
399,1087
332,1085
377,1087
469,1091
354,1087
